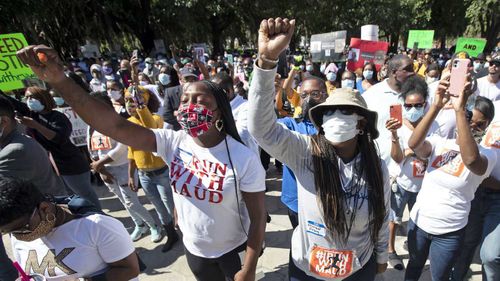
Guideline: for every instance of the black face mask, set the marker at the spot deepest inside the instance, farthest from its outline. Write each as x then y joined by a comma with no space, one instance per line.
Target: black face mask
306,106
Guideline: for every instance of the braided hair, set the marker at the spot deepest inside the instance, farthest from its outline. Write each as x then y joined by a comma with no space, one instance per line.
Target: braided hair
225,109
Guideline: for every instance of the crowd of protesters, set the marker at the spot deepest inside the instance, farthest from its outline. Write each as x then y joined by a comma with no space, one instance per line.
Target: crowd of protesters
197,134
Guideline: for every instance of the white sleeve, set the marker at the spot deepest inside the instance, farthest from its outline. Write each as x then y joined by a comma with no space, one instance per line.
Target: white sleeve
252,177
112,239
491,156
166,139
119,152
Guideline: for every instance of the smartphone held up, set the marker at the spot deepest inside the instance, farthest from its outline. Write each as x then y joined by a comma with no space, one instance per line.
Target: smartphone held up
459,71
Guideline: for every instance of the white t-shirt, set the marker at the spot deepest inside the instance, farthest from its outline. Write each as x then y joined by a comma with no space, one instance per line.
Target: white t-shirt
448,187
154,89
379,98
487,89
203,185
412,168
239,107
492,140
101,146
79,248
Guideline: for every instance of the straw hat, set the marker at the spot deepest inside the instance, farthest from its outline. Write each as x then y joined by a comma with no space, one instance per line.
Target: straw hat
346,97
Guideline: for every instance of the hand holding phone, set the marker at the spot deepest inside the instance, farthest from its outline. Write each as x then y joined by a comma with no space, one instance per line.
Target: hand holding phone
459,70
135,53
396,112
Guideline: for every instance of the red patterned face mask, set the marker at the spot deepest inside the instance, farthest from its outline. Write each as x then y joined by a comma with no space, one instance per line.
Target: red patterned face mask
194,119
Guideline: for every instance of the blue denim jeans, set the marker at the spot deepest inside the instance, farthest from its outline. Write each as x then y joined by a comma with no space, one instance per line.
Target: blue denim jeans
7,271
366,273
442,249
159,192
80,185
482,228
399,199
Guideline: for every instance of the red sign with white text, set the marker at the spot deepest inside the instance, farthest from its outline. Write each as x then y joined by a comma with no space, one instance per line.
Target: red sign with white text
362,51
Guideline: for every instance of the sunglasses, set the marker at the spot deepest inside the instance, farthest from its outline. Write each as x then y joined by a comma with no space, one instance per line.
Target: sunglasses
344,111
25,228
312,94
408,106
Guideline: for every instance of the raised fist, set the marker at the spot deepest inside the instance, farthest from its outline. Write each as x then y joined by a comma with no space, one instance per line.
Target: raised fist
274,37
44,61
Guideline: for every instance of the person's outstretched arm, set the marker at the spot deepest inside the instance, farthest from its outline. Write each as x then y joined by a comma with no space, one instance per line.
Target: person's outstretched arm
469,150
417,142
91,110
286,146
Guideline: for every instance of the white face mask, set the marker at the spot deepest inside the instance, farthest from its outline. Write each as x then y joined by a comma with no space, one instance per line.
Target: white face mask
347,83
339,127
430,80
115,95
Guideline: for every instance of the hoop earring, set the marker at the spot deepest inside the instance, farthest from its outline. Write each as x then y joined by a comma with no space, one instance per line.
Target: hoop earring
361,132
50,220
219,125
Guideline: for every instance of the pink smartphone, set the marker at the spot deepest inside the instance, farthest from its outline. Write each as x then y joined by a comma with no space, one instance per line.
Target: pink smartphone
458,77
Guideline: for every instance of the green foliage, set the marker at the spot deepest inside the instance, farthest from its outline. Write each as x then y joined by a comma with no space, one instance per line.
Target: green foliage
67,24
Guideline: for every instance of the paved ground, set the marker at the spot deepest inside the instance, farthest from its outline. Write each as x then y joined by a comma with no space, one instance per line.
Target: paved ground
273,265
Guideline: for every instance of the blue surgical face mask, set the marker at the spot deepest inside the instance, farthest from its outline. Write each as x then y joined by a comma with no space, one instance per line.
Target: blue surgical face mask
477,66
331,76
309,68
414,114
35,105
347,83
164,79
107,70
59,101
368,74
322,68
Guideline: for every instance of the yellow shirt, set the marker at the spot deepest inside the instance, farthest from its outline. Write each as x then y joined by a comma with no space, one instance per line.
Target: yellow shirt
329,87
420,71
146,160
295,102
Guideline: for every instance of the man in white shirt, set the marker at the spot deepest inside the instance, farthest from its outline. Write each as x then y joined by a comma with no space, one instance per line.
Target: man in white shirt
489,86
381,96
239,109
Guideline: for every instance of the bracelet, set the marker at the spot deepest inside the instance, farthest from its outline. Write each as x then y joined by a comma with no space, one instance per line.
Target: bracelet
395,139
268,60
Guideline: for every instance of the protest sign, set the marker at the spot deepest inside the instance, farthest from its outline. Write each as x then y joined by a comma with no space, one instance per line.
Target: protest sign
90,50
328,46
423,38
12,70
472,46
160,46
79,134
362,52
199,50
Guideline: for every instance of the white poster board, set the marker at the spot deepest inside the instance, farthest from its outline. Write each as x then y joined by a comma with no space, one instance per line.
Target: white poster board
79,135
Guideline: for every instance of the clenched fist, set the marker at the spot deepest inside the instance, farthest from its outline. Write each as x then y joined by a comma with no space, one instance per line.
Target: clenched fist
274,37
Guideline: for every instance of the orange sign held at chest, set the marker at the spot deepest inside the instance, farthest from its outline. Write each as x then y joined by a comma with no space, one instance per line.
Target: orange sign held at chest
330,263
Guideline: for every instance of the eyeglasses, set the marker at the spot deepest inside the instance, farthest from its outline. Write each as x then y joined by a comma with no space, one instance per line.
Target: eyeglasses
408,106
313,94
23,229
344,111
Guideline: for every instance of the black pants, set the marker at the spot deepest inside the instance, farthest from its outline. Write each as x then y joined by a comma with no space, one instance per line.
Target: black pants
7,270
222,268
294,218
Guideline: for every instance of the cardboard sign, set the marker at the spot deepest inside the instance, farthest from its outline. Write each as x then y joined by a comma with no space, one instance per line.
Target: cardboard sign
423,39
472,46
12,70
79,135
160,46
328,46
362,52
90,50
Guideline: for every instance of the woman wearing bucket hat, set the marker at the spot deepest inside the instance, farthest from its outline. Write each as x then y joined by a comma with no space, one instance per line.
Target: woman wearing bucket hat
345,234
